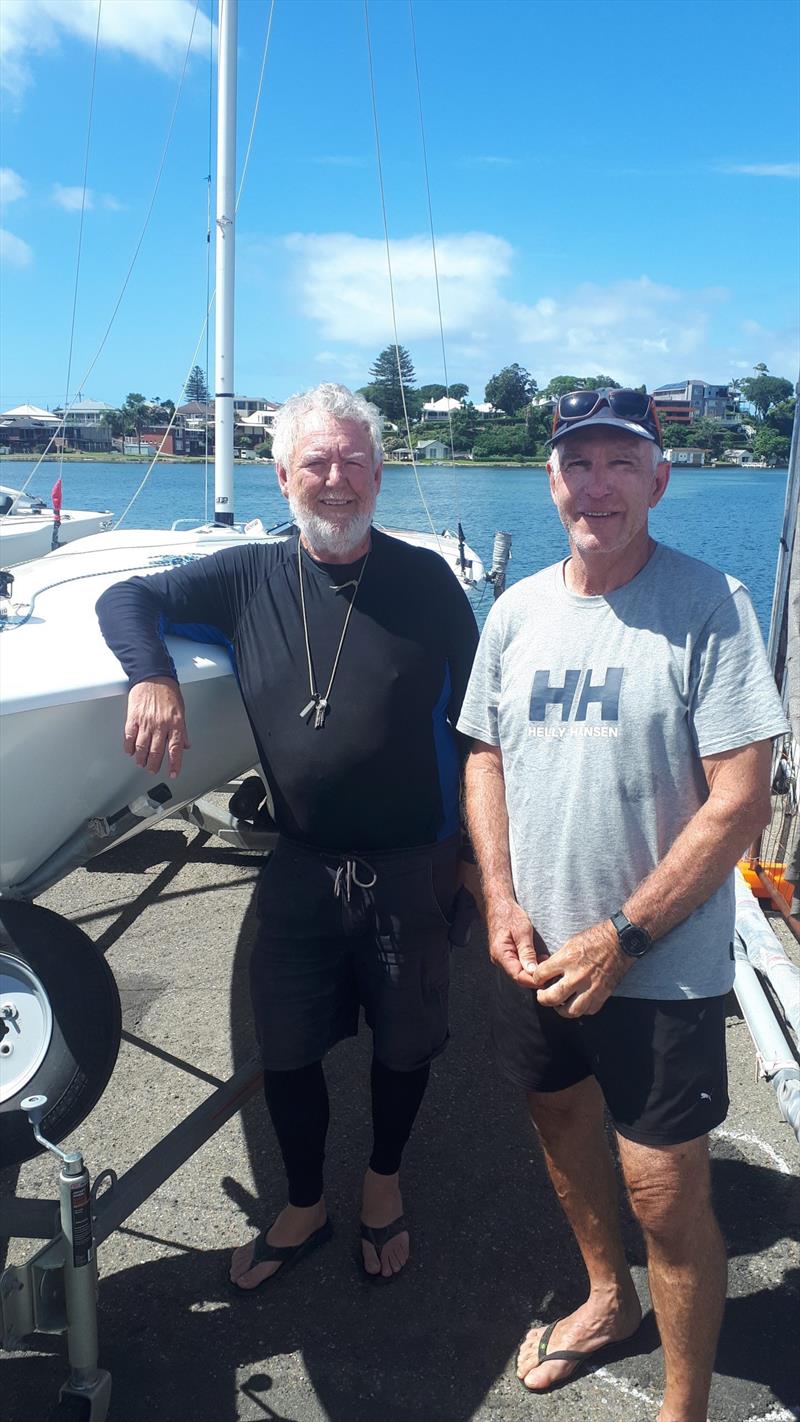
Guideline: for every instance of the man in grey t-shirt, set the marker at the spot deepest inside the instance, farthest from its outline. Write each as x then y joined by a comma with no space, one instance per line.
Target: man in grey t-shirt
622,710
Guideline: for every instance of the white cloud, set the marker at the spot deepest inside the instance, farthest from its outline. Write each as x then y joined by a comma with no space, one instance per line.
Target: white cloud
763,170
159,37
71,199
344,284
635,329
13,251
12,186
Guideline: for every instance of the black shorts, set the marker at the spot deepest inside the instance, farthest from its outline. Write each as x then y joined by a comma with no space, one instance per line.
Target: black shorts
660,1064
322,953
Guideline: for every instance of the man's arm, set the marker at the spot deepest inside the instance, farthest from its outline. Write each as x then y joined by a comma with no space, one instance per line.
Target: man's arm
131,614
582,974
509,928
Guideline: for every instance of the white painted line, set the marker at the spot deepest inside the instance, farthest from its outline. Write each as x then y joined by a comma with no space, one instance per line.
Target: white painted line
776,1414
622,1385
780,1164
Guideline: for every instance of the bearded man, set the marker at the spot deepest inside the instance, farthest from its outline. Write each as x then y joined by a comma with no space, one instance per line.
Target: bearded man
352,652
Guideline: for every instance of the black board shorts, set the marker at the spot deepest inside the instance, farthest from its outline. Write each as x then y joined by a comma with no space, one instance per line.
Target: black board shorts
660,1065
339,933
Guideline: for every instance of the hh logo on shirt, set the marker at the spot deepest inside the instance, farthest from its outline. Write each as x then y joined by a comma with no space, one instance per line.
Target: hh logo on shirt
579,690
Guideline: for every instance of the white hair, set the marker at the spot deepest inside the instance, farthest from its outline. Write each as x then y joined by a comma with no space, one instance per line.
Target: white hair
656,455
328,399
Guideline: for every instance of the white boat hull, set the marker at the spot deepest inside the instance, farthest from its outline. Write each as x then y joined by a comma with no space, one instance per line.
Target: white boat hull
63,698
26,536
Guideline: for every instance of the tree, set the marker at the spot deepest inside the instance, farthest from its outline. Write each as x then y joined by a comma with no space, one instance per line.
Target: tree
502,440
601,382
771,446
761,391
538,426
676,436
196,387
511,389
432,392
389,385
780,418
710,435
115,422
465,429
459,392
563,385
135,413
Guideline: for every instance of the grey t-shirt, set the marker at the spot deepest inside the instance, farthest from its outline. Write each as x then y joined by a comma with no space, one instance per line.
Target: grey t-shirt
602,707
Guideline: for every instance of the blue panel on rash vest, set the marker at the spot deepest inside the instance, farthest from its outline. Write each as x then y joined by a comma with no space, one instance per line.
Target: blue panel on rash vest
447,761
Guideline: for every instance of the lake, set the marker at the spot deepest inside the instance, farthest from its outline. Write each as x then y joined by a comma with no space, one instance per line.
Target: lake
730,517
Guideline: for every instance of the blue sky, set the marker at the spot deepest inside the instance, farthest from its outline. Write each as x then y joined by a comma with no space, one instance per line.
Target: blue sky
615,188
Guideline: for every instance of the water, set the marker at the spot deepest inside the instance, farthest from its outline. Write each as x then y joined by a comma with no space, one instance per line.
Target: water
730,517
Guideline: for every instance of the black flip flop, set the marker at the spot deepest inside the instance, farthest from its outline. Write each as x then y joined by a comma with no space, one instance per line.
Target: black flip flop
560,1355
378,1236
286,1254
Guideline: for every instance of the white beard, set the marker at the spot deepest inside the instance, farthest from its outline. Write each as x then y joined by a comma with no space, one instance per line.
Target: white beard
325,536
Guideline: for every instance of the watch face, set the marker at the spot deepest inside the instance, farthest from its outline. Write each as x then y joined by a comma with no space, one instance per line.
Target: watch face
635,942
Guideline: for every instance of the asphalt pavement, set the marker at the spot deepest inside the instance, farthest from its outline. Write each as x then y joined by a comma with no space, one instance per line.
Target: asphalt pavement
174,912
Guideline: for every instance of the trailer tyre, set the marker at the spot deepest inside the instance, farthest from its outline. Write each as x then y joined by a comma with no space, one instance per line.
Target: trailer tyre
60,1025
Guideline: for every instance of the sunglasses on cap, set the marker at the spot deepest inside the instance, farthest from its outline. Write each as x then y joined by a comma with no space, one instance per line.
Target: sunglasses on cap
631,407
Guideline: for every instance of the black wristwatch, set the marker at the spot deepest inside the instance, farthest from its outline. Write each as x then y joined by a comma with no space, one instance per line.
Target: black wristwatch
633,941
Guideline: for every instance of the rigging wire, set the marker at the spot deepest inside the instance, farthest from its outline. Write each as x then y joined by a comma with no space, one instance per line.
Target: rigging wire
435,259
212,298
209,207
62,425
136,251
389,268
256,106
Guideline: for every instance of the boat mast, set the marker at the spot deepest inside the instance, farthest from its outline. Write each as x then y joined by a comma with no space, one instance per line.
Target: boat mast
225,256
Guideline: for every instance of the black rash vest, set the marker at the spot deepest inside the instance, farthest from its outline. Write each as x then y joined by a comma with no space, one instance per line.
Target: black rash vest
383,773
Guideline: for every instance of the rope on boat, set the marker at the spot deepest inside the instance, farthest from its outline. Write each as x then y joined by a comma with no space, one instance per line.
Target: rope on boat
134,258
212,297
390,273
435,261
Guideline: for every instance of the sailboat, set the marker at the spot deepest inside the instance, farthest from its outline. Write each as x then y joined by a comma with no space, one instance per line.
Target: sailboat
30,529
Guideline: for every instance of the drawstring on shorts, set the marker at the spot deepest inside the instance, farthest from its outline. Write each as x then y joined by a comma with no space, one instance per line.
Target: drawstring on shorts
347,876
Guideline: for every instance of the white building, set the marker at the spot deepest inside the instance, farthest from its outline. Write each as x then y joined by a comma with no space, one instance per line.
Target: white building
443,409
695,457
697,398
432,449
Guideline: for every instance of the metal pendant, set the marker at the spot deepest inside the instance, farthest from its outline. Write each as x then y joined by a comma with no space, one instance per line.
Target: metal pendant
321,713
306,711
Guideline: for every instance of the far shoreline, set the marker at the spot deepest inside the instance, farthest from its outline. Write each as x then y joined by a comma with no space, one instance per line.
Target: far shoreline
500,464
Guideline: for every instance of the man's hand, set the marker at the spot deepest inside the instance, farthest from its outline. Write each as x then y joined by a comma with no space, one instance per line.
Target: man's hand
582,974
156,723
511,940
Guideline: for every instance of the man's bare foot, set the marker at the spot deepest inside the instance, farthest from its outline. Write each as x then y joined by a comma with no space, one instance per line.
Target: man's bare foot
596,1323
292,1226
381,1205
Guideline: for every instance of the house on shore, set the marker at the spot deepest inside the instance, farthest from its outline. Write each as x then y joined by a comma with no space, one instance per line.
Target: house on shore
27,429
433,449
689,456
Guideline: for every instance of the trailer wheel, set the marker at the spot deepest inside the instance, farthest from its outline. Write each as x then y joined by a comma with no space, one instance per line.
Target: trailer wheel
60,1024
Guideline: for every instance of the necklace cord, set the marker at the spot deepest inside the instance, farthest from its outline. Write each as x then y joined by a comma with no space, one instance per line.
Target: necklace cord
316,699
